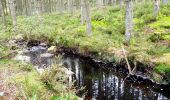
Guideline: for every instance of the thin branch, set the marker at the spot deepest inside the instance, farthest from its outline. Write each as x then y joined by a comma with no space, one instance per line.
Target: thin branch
127,62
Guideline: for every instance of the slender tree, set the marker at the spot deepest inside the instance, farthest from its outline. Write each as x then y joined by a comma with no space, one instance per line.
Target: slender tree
121,3
88,18
39,8
2,7
70,6
129,20
13,12
82,12
156,7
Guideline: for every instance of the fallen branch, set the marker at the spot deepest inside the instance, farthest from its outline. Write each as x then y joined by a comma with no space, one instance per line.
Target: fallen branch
127,62
131,71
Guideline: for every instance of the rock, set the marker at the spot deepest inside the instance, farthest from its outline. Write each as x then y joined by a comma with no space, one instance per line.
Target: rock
23,58
52,49
46,55
38,49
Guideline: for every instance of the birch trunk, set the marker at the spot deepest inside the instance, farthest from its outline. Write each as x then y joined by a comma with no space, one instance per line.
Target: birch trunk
13,12
3,12
88,18
129,20
82,12
156,7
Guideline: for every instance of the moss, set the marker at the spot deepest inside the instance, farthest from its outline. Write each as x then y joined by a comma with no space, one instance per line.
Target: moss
162,68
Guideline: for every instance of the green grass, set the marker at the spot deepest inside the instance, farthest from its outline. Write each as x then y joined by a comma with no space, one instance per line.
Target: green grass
108,25
33,86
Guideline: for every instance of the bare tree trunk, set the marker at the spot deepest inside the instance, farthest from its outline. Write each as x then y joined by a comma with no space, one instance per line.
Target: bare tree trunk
121,3
156,7
39,8
82,12
70,6
61,6
88,18
99,3
129,20
5,7
3,13
13,12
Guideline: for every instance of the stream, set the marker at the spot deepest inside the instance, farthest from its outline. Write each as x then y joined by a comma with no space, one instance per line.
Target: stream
96,83
100,84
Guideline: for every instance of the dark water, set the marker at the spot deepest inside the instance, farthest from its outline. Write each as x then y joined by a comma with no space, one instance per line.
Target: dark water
106,85
99,84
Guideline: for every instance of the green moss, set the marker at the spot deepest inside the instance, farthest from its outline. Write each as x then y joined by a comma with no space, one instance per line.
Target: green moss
162,68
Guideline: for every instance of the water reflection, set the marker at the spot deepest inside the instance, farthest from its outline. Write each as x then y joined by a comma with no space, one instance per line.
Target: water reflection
104,85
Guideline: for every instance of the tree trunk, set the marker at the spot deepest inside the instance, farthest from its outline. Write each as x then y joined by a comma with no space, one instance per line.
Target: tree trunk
13,12
121,3
129,20
88,18
70,6
99,3
82,12
39,8
3,12
61,6
156,7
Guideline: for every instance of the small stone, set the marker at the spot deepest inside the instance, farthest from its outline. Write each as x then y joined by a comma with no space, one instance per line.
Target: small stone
46,55
22,58
38,49
52,49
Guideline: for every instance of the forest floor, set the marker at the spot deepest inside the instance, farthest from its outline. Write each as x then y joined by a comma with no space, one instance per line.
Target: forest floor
150,41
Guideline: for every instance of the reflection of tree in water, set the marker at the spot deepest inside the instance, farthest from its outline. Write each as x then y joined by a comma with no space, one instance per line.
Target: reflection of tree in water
102,85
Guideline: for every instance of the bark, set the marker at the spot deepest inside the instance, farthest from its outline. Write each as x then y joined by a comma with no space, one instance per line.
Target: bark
121,3
61,6
88,18
70,6
99,3
13,12
82,12
129,20
3,12
156,7
39,8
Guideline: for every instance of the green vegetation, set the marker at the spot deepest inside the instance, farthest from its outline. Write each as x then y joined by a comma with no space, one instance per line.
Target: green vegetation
32,86
150,43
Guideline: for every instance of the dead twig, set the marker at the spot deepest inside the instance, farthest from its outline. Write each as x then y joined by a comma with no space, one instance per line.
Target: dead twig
131,71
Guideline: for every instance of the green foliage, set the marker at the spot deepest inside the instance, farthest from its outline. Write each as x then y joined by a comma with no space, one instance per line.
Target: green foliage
108,25
162,68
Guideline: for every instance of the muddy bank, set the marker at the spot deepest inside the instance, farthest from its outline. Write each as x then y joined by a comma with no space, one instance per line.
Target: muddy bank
143,69
143,75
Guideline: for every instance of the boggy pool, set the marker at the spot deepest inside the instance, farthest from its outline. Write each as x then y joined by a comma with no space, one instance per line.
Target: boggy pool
100,84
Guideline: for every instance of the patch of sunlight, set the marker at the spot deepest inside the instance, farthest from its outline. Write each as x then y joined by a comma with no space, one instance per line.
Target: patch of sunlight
161,23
